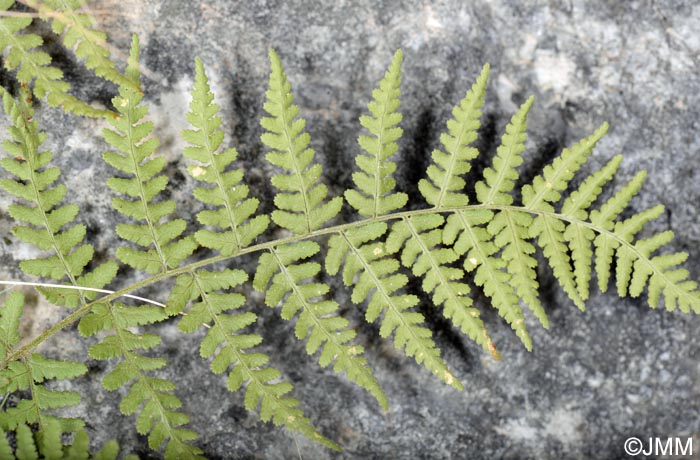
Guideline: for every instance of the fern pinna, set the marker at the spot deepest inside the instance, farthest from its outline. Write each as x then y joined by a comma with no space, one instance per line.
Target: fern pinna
451,245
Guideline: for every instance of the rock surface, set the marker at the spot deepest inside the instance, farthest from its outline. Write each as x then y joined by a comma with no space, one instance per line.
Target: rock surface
593,380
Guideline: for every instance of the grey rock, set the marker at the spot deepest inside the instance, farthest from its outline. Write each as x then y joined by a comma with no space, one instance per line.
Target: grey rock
594,379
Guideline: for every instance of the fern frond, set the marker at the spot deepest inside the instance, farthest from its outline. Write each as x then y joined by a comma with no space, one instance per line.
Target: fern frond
445,187
47,225
164,246
302,207
636,268
159,417
214,307
224,190
375,278
33,65
374,195
420,237
79,33
319,319
29,374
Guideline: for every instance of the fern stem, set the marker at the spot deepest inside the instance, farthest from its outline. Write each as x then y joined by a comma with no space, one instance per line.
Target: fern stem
337,229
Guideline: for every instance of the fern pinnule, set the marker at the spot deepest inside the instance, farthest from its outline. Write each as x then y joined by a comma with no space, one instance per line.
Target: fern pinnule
445,187
375,194
302,206
224,188
421,238
166,247
47,225
33,65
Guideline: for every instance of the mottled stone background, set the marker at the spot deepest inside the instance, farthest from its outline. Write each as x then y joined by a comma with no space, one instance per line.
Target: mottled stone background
618,370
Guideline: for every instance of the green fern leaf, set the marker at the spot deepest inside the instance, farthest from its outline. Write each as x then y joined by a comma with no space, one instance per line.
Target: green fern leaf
33,65
555,178
319,320
26,448
228,194
167,247
10,316
549,231
375,185
635,268
158,418
80,34
509,227
29,375
49,444
464,230
302,207
510,230
229,347
5,448
580,236
48,227
420,236
501,177
604,219
445,187
363,257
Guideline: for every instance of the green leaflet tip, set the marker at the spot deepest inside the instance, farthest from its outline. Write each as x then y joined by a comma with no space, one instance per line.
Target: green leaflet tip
485,71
